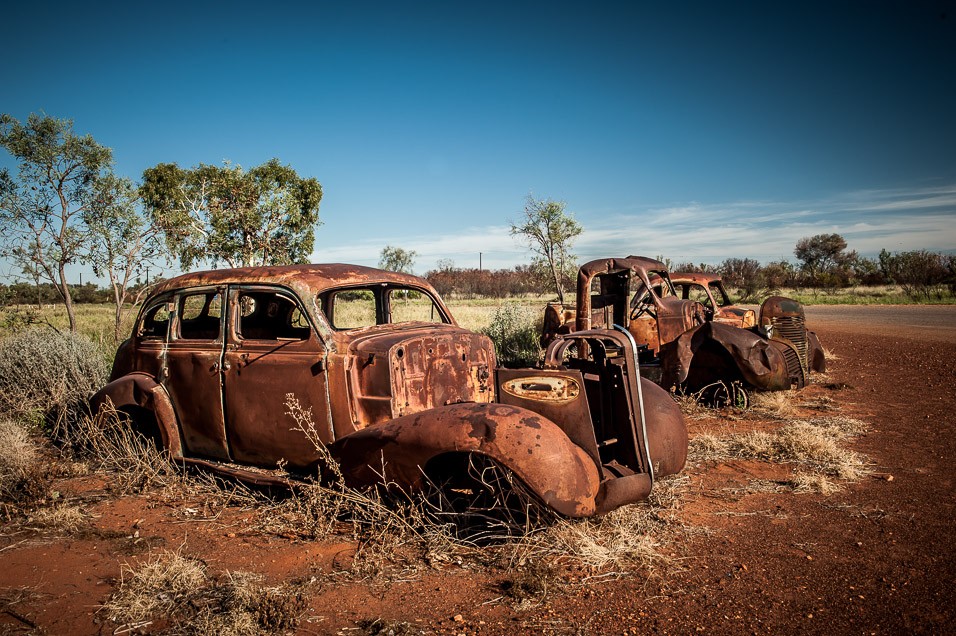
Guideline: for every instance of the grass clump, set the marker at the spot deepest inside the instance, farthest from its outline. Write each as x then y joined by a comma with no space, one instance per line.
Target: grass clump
814,445
631,537
47,376
23,482
515,331
178,594
109,442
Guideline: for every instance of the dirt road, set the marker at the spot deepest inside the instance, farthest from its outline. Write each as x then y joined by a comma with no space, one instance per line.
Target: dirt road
926,322
876,558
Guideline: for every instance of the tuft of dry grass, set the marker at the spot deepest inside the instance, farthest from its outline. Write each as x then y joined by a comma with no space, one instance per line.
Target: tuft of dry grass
179,594
24,478
629,538
815,445
62,517
110,443
775,404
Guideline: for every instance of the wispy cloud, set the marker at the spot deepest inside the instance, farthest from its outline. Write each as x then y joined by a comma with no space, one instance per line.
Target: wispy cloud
919,218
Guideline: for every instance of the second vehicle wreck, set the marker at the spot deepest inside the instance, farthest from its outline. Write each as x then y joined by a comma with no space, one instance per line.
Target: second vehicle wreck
397,391
685,343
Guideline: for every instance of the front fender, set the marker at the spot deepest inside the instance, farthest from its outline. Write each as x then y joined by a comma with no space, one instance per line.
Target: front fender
139,389
718,352
562,474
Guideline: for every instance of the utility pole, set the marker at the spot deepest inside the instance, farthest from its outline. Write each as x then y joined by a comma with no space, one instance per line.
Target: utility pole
479,261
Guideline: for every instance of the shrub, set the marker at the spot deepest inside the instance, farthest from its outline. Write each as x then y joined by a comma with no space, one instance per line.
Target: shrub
46,376
514,330
182,593
22,481
920,273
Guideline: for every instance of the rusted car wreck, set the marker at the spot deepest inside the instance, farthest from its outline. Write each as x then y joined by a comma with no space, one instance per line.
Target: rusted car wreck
684,343
398,392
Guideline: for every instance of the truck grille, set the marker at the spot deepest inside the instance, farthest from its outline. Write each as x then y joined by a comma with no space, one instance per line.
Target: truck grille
794,329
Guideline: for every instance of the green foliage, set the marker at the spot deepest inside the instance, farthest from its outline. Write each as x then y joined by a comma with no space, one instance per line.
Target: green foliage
266,216
41,210
395,259
515,330
745,274
123,243
921,274
47,376
823,259
549,231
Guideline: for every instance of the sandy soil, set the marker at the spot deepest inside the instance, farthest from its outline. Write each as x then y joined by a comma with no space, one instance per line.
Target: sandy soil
875,558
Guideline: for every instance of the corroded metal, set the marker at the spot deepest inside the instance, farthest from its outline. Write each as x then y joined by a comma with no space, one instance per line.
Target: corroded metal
216,356
690,344
718,305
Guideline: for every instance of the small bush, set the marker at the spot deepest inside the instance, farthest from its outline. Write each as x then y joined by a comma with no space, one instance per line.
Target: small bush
46,376
515,330
22,482
179,592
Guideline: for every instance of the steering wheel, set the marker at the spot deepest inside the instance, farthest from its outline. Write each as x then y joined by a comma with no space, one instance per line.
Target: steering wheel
641,307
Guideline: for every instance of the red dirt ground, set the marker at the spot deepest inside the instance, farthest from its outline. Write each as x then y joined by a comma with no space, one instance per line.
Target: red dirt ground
876,558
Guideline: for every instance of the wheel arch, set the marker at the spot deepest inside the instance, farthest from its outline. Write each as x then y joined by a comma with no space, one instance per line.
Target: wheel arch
141,391
535,449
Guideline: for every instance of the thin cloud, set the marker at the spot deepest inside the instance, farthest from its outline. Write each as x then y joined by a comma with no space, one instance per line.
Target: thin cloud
896,220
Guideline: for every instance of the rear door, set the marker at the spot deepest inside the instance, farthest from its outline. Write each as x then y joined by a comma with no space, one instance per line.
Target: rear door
274,355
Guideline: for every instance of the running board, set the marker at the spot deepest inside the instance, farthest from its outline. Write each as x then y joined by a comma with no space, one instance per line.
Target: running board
256,477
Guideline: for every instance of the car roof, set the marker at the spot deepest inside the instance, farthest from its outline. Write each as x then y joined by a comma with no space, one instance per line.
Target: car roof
701,278
315,277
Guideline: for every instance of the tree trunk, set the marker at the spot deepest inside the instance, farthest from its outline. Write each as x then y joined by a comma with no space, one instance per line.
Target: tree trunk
67,299
557,282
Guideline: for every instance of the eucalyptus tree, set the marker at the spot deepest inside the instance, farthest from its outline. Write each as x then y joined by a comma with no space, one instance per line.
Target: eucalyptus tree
224,214
549,231
123,243
42,206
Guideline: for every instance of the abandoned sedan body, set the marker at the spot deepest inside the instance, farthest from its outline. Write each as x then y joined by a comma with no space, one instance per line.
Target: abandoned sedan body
398,393
683,345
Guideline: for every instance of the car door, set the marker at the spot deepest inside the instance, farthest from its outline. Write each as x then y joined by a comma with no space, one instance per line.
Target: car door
273,352
193,376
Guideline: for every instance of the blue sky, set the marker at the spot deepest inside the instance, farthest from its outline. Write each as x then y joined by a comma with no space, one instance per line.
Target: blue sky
697,131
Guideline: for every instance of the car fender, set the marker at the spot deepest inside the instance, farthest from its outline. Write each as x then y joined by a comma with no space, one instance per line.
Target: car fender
561,473
723,353
142,390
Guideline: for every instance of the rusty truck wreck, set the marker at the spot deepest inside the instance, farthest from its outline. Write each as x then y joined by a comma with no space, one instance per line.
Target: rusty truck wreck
398,392
684,343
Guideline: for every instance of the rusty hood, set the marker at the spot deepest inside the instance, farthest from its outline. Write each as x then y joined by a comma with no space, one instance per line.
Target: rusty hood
400,372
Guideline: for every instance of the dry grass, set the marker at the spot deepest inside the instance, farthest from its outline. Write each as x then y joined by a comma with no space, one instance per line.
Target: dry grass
178,595
814,445
630,538
62,517
24,477
778,405
108,442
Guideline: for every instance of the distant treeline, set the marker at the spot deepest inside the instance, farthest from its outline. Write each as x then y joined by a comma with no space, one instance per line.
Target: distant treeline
921,275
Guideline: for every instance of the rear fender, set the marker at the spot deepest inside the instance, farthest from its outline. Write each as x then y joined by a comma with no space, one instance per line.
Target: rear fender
562,474
139,389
